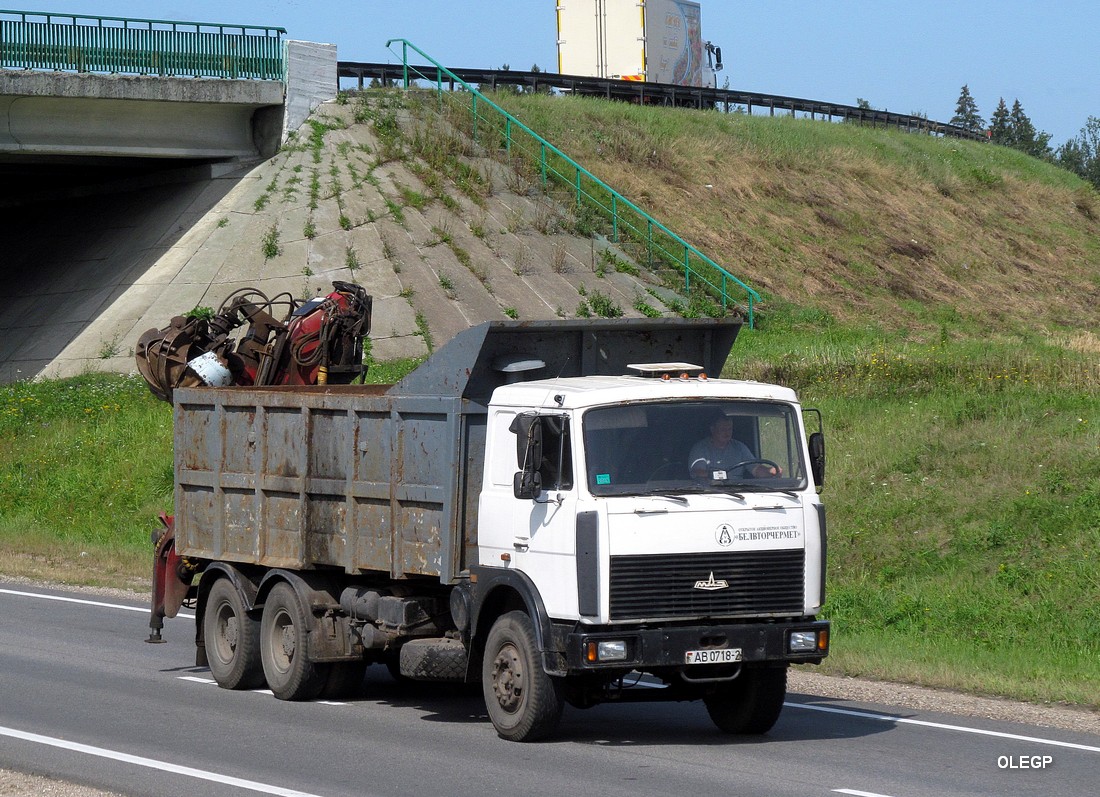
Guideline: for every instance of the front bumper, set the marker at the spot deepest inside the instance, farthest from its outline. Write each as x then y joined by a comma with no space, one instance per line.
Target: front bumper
666,647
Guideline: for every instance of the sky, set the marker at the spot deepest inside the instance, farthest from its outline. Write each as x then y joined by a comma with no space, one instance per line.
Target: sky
907,57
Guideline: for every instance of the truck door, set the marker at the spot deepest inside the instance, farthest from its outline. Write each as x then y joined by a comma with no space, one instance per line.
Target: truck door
535,533
545,543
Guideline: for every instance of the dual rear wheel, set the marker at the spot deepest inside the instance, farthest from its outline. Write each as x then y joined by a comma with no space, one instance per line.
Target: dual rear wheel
244,652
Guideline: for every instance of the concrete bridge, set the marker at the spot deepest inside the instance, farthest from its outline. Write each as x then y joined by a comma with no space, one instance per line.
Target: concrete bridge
94,111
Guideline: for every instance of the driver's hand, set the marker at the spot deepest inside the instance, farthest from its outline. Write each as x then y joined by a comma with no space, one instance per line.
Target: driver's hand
765,471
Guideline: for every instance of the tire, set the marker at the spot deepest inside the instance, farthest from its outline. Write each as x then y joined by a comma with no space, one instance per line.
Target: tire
524,703
751,704
344,679
284,647
232,639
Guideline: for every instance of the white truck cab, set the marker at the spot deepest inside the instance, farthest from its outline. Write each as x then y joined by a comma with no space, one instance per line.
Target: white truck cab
662,542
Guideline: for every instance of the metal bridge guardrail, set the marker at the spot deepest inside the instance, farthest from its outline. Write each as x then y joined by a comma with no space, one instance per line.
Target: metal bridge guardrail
117,45
683,96
490,122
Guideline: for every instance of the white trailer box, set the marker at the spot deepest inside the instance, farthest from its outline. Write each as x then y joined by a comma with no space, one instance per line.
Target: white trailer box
658,41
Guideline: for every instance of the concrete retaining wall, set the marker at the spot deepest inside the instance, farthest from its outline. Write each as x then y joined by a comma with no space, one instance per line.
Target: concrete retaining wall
310,80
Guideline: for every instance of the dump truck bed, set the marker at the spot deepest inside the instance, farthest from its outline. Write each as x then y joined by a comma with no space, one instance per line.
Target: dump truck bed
345,477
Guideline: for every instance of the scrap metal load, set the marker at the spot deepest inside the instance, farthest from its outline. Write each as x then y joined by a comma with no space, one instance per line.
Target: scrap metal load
319,341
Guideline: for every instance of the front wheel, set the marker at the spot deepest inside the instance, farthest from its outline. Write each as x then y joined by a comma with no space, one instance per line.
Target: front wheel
750,704
524,703
232,639
284,630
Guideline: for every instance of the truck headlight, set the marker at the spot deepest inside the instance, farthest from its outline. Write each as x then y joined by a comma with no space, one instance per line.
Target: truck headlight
606,650
802,642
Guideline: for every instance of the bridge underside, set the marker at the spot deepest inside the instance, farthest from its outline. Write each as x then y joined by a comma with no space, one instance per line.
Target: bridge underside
56,114
103,127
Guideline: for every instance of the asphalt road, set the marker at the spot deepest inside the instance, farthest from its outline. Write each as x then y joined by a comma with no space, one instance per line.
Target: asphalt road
83,698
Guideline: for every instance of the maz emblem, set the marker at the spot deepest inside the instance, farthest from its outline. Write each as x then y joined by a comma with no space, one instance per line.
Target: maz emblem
724,535
712,584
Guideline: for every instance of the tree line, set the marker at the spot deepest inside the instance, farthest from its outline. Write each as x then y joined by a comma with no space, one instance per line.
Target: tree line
1011,127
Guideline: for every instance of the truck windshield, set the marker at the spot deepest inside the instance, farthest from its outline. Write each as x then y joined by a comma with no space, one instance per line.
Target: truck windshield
693,446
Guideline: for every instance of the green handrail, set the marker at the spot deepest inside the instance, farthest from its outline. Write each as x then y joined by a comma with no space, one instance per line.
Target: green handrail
72,42
621,212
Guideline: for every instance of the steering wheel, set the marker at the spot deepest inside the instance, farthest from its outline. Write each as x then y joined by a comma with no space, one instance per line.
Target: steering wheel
749,462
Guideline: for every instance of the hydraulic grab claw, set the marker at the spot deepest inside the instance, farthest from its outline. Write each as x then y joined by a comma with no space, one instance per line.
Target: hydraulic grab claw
317,342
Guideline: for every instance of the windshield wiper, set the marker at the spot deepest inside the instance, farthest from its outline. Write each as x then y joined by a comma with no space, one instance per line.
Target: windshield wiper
673,493
677,498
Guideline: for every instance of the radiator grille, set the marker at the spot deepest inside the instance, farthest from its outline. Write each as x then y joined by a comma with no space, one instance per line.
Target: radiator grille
760,582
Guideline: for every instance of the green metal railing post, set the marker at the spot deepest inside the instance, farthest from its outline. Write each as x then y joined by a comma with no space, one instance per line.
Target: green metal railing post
508,136
577,180
405,65
474,112
614,219
542,159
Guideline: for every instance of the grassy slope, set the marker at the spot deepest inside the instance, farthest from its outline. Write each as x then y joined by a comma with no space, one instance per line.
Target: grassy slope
869,225
934,298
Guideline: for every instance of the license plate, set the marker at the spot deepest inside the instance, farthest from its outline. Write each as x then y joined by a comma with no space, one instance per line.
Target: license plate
720,656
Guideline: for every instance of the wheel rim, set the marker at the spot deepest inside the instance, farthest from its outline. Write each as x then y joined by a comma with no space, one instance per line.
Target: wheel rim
227,633
509,678
282,642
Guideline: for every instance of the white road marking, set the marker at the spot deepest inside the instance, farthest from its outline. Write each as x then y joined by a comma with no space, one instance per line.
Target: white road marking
942,726
163,766
859,793
143,610
198,680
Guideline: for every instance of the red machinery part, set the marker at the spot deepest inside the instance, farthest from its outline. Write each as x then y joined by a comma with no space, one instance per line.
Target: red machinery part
171,578
318,342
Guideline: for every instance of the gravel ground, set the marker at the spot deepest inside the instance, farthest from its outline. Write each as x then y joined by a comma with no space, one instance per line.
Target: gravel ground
16,784
944,702
802,682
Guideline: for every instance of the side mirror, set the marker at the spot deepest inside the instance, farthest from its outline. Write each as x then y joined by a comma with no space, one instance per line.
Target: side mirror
817,458
527,483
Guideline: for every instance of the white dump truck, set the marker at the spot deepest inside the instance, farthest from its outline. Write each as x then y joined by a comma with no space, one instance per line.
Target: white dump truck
534,508
656,41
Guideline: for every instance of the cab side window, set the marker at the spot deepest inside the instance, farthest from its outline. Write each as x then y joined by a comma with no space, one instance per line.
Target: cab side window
557,455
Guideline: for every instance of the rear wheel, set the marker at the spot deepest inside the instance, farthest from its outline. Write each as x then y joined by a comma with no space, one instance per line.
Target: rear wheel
750,704
524,703
232,639
283,647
